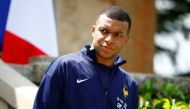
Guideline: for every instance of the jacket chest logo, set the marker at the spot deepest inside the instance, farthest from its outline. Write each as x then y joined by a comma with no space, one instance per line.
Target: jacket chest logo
125,91
122,101
81,80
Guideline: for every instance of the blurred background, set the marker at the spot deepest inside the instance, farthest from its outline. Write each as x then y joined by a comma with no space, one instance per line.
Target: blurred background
159,39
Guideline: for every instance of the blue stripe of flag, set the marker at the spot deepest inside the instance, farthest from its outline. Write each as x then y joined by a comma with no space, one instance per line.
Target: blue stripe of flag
4,8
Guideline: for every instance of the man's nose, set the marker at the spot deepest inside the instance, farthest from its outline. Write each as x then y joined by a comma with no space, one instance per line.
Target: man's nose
109,38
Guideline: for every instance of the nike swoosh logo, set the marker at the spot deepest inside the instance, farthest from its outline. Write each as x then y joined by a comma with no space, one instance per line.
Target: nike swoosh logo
81,80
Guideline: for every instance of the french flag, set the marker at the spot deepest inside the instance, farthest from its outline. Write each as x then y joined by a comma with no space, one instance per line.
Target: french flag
27,28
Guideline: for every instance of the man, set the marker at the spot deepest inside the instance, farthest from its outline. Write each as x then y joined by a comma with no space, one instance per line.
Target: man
92,78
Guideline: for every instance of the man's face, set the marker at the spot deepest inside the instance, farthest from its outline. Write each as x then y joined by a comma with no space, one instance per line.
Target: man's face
109,36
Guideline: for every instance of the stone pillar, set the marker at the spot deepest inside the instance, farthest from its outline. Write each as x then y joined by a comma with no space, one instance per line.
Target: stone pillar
75,18
140,49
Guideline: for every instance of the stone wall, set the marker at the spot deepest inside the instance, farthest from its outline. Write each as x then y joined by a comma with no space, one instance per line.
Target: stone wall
15,89
37,66
35,72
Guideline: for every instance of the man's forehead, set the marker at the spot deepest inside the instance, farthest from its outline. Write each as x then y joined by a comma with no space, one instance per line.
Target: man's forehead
109,23
102,18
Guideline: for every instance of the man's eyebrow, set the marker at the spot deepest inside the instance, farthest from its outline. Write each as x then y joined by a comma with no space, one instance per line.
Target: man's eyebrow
107,28
119,32
103,27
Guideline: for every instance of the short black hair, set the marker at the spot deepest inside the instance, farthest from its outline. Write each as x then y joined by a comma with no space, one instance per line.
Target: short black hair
117,13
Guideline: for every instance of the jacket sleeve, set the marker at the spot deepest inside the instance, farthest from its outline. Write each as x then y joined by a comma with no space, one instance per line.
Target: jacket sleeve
51,89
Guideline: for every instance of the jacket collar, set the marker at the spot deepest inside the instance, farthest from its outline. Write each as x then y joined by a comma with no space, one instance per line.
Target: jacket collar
89,54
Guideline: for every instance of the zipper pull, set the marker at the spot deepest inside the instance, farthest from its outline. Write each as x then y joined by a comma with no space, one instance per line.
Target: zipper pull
106,91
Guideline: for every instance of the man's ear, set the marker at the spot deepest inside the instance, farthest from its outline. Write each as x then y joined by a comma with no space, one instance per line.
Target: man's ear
127,39
93,30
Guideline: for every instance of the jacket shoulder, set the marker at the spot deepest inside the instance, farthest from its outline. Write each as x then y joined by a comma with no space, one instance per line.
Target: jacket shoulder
76,56
64,62
128,77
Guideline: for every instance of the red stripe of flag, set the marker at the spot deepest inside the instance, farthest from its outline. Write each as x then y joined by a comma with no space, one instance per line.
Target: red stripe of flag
17,50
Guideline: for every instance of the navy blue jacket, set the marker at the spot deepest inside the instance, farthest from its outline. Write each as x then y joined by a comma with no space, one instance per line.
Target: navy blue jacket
73,82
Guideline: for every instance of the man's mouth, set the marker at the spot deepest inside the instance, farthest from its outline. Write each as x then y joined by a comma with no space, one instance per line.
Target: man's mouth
108,48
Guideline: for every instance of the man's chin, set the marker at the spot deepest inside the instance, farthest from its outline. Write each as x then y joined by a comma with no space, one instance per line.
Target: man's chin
108,56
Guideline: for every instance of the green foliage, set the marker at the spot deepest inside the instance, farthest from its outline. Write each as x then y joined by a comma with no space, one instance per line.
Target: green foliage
157,95
181,8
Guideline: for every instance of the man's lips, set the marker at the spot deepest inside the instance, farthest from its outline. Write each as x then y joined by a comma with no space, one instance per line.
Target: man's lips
108,48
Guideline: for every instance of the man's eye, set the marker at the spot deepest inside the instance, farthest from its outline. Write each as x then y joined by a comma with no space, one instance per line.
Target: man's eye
118,35
104,31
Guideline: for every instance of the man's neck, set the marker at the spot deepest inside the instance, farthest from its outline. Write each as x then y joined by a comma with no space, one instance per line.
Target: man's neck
106,62
101,60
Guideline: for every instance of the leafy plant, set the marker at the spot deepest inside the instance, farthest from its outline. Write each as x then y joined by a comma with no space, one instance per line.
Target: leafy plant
157,95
